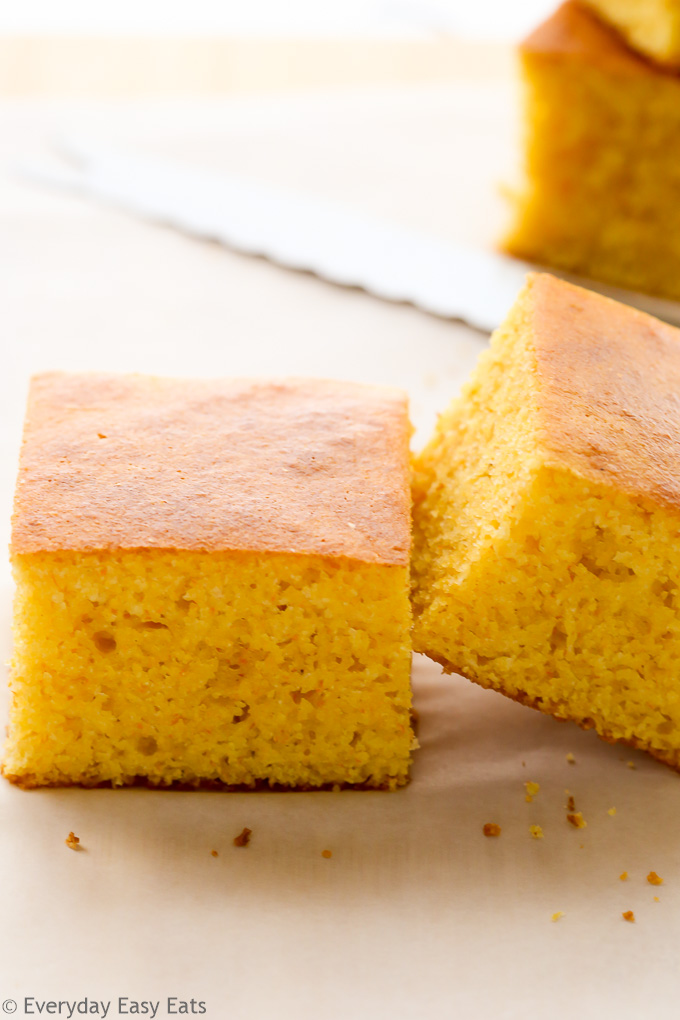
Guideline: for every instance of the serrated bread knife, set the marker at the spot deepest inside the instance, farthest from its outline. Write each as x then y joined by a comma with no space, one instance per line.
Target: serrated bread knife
303,232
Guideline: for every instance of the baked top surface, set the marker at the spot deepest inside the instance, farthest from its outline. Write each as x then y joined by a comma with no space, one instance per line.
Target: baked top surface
574,31
609,388
298,465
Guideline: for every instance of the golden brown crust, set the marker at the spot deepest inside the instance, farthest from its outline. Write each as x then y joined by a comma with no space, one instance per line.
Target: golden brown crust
608,385
577,33
548,708
300,465
29,782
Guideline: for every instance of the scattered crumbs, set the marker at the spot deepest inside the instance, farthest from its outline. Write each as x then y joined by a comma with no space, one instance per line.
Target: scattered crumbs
628,915
577,820
73,842
654,879
571,803
243,838
536,831
214,853
532,789
631,764
657,900
557,915
491,829
571,759
327,854
611,811
524,764
623,876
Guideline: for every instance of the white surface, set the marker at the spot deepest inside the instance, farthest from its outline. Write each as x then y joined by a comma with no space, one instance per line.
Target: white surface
416,915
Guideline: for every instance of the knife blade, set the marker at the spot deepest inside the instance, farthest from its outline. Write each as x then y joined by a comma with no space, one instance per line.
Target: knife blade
307,233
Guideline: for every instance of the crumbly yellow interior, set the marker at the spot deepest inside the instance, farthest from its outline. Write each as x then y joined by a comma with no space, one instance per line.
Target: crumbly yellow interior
538,583
182,667
650,26
601,173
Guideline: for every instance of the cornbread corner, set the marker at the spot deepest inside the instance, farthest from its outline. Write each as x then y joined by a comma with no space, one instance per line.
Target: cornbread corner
650,26
602,150
547,518
212,584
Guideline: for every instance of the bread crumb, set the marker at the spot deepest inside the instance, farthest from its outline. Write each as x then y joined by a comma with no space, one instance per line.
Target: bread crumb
571,759
611,811
628,915
571,804
623,876
532,789
557,915
214,853
536,831
631,764
491,829
654,879
243,838
327,854
577,820
657,900
73,842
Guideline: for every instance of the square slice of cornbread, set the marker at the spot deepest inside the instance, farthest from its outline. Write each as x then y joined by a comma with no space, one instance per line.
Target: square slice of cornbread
212,584
650,26
547,518
601,189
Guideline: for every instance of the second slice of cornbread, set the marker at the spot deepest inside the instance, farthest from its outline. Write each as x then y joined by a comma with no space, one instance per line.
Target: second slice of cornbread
212,584
547,518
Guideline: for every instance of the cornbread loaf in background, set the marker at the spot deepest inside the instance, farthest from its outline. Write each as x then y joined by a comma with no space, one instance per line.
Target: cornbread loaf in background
212,584
547,518
650,26
601,189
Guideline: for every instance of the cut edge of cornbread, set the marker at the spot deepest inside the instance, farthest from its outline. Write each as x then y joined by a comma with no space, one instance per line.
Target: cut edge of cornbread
564,558
127,630
656,720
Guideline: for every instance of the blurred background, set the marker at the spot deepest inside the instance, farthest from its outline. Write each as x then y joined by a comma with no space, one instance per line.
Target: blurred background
488,18
137,47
